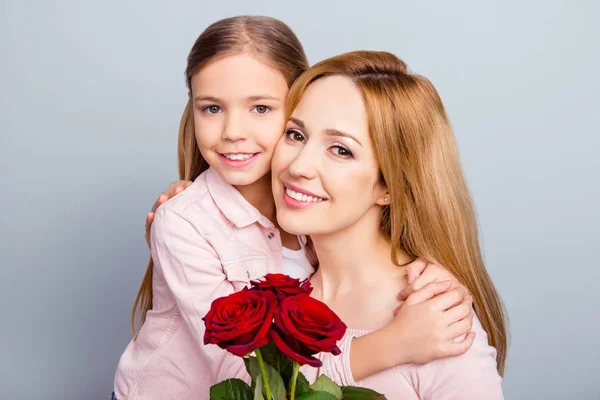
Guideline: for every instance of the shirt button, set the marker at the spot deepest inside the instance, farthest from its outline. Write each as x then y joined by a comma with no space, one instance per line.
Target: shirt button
270,235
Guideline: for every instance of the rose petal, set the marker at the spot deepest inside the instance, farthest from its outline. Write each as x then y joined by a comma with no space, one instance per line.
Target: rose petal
282,346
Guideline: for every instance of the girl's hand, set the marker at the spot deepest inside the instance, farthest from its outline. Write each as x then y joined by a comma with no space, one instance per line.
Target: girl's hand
432,324
422,273
173,189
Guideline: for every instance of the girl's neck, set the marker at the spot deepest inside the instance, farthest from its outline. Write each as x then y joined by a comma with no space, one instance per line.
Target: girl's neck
259,194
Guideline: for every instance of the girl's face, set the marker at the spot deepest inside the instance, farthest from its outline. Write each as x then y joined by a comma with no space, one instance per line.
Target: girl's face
325,175
238,104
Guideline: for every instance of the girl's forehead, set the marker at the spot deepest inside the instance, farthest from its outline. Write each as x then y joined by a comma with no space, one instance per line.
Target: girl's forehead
239,75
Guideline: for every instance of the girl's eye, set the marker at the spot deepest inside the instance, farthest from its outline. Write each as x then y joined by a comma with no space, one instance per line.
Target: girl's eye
261,109
341,151
212,109
295,136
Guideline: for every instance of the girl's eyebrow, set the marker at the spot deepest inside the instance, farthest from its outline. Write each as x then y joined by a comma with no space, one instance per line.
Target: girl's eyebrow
207,98
251,98
263,97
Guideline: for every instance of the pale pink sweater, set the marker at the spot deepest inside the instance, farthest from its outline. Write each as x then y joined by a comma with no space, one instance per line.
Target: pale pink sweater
471,376
208,242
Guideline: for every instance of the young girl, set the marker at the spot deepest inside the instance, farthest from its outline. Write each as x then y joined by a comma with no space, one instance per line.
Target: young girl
221,233
371,144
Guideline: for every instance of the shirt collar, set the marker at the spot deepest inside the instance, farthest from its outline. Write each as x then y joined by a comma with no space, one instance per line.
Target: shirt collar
232,204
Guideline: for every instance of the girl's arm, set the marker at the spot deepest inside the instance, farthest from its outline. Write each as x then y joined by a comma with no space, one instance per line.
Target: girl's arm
173,189
194,275
423,330
470,376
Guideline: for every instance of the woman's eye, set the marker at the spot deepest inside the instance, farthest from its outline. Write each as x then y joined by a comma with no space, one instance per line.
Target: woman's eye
261,109
212,109
341,151
295,136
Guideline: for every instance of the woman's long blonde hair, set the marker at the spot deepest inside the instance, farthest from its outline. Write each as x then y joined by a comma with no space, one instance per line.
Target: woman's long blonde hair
431,214
266,38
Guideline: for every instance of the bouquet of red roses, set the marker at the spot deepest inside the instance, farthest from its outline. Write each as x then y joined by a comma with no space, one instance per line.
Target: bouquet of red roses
284,327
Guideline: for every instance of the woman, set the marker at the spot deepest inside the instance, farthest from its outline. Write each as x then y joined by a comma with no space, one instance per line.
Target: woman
368,167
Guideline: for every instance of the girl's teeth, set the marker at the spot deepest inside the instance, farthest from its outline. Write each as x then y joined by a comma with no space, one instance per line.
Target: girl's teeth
302,197
238,156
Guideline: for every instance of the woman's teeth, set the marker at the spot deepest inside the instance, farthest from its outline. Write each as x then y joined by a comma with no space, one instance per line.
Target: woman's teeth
301,197
241,156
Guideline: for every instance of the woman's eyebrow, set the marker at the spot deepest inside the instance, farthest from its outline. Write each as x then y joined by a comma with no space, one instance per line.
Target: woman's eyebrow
328,132
336,132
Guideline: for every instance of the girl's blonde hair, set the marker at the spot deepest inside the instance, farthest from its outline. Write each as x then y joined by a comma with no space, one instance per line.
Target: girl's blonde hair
431,214
266,38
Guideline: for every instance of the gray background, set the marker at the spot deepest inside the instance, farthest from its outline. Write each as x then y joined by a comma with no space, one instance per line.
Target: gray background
92,93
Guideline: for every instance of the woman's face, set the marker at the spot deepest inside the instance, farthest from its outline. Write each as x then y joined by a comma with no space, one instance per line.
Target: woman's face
238,105
325,176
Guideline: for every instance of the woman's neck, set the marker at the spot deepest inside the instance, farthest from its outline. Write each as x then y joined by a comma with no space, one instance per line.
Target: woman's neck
354,258
259,194
356,277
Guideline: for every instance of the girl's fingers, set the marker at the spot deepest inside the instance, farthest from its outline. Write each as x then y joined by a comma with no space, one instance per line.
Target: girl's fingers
415,269
449,299
428,292
427,276
458,348
461,311
458,329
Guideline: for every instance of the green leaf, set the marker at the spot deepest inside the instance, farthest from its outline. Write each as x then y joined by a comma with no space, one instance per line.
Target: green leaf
358,393
275,381
231,389
324,384
253,368
247,364
316,396
258,393
277,360
270,354
302,385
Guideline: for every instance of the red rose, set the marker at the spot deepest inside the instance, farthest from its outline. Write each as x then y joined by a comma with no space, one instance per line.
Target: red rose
282,285
240,322
303,327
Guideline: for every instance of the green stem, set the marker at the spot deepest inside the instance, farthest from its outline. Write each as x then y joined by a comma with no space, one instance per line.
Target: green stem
263,371
296,367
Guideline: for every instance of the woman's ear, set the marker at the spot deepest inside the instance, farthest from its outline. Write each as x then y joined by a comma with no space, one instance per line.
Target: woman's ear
383,195
384,200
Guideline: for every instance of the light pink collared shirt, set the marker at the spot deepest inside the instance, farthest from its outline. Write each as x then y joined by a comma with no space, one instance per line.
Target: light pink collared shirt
208,242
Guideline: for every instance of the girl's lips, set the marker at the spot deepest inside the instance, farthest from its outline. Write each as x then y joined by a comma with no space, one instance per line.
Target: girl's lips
238,163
